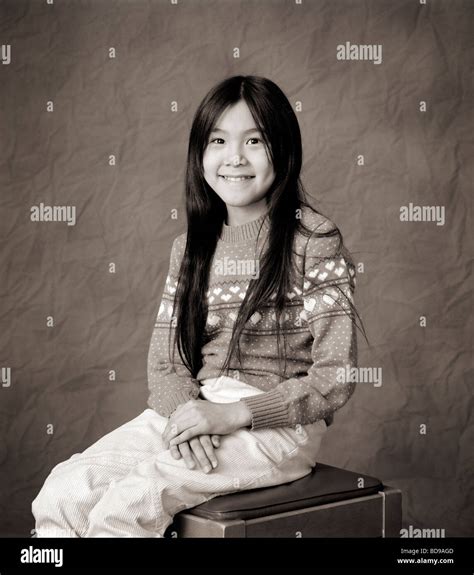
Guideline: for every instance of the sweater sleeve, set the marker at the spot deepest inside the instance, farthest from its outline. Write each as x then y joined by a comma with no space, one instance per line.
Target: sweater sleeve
329,282
169,384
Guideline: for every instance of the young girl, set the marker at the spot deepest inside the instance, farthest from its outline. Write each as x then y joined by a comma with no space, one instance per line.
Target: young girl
256,265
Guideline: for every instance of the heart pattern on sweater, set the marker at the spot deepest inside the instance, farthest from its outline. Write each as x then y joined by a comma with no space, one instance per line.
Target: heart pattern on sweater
255,318
328,299
331,296
213,319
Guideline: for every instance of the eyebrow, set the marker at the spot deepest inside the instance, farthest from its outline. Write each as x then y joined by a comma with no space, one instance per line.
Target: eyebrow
244,132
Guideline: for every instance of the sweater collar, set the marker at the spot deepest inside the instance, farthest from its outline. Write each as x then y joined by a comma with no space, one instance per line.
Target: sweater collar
245,232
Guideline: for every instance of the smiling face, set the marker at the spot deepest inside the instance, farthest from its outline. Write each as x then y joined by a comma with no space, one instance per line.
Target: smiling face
235,149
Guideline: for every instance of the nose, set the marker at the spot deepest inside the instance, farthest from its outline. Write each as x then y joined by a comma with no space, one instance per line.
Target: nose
235,160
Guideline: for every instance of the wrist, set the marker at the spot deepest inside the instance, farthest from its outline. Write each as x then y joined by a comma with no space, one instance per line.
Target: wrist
242,415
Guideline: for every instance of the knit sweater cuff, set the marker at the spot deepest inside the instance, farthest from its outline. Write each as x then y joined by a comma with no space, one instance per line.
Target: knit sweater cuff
267,409
170,402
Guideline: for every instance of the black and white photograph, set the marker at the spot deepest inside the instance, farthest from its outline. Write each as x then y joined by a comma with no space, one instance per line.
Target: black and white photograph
236,285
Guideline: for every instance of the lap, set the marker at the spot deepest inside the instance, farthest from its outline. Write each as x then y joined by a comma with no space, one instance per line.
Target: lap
128,475
246,459
244,455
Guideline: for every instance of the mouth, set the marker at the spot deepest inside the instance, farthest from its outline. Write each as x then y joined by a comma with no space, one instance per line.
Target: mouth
236,178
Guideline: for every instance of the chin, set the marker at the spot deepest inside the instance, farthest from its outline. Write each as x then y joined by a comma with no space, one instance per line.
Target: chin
240,202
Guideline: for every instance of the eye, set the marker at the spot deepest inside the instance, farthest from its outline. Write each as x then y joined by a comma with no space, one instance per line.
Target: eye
214,139
258,139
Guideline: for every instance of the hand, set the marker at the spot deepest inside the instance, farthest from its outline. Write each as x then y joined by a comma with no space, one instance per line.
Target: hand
201,448
202,417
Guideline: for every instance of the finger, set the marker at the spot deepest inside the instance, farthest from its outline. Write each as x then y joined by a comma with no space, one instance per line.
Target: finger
173,428
187,455
166,433
187,435
175,453
200,454
178,426
209,449
216,440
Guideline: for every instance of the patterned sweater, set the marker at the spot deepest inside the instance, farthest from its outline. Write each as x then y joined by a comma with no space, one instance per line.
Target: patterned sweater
318,325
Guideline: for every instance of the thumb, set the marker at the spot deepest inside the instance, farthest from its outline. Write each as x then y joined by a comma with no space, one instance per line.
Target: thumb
216,440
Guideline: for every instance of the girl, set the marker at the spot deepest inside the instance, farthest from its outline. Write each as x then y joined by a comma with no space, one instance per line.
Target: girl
256,265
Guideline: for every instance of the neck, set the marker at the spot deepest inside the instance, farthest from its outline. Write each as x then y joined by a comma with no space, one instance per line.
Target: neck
237,216
247,232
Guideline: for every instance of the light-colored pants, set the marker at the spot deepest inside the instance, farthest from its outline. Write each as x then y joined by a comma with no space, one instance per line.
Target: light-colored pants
128,485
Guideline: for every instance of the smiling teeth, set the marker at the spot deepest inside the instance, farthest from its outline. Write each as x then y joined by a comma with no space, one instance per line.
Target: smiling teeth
237,179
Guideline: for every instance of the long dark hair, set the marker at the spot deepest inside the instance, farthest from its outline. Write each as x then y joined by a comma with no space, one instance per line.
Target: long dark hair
206,213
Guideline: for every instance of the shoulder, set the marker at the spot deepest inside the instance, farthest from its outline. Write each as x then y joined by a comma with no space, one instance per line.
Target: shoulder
316,221
324,256
321,237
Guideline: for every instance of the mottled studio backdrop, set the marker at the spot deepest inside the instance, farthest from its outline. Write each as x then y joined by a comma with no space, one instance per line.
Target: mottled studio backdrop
96,103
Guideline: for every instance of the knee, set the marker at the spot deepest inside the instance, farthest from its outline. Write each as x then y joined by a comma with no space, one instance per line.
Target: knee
55,508
52,495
